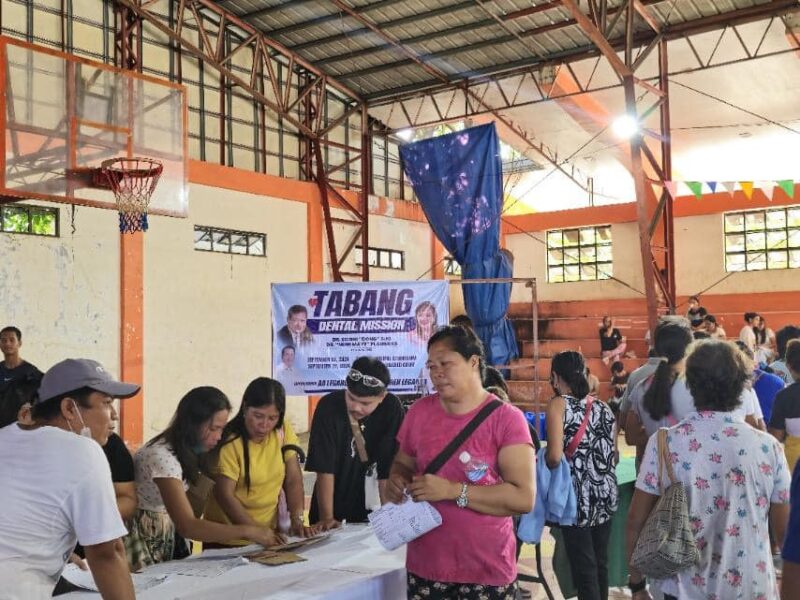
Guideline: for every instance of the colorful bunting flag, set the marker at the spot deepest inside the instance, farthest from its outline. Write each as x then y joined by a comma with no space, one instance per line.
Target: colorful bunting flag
729,186
768,188
712,185
787,185
696,187
747,188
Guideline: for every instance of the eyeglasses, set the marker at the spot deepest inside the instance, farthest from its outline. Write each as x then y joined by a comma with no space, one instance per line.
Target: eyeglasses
367,380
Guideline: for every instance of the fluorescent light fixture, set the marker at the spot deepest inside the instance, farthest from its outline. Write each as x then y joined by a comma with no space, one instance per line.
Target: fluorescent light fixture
405,134
625,126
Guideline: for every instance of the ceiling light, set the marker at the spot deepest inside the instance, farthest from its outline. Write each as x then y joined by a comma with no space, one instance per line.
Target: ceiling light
405,134
625,126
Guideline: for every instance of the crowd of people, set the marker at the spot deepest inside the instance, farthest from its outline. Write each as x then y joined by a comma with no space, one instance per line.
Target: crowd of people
72,491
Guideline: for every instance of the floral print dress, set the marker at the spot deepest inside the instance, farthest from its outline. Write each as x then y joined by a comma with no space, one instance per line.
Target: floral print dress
732,473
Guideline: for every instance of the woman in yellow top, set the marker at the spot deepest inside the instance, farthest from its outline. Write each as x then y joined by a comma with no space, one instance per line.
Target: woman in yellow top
254,464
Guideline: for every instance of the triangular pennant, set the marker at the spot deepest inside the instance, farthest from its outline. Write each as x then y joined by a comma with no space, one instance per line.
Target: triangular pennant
672,188
747,188
787,185
712,185
728,186
696,187
767,187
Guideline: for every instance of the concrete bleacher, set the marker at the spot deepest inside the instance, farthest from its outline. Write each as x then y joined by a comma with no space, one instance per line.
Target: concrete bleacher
574,325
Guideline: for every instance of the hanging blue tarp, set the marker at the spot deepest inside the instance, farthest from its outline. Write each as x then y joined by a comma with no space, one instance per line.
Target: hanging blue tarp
458,179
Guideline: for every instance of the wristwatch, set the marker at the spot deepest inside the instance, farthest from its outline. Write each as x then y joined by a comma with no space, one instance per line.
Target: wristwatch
298,518
462,500
637,587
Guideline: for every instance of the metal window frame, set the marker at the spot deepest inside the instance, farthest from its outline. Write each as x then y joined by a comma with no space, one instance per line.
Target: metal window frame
28,208
595,263
390,251
211,230
765,250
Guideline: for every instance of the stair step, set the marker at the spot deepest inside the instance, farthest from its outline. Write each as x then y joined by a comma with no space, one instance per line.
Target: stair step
580,308
528,369
569,329
589,347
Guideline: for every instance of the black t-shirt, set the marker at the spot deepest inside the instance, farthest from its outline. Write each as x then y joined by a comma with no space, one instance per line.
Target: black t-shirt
121,463
610,342
25,371
331,449
786,407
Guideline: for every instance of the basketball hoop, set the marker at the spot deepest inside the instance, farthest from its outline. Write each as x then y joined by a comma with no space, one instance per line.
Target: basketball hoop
133,181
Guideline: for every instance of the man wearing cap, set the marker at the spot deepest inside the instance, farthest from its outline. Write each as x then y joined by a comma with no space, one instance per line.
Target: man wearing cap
57,486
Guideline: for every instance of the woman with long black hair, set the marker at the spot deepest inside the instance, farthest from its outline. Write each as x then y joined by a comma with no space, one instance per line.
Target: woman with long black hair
580,428
258,460
164,468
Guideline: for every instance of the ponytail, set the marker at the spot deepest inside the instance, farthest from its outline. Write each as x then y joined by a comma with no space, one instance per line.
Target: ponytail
569,365
672,336
657,399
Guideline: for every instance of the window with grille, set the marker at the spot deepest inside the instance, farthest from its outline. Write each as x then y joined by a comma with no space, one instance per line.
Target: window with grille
33,220
382,258
451,266
757,240
229,241
581,254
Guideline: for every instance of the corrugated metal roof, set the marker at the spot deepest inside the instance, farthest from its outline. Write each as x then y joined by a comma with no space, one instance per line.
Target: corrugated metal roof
456,37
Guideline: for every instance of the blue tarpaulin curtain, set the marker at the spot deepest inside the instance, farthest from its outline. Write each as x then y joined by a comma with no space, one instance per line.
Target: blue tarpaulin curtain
458,179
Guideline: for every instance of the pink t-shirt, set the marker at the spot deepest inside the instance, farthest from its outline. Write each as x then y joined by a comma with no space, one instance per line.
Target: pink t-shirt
469,547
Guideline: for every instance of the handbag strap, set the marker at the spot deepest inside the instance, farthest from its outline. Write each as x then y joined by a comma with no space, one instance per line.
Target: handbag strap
664,458
361,446
576,439
443,456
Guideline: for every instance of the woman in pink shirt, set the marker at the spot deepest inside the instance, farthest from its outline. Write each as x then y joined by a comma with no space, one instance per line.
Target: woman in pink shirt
473,553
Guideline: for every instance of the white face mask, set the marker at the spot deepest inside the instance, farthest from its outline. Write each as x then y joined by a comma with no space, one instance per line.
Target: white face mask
85,431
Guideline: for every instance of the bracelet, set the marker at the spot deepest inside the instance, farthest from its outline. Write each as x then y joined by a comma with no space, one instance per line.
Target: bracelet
298,517
637,587
462,501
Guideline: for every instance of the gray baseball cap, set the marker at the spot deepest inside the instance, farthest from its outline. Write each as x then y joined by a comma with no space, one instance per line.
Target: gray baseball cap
76,373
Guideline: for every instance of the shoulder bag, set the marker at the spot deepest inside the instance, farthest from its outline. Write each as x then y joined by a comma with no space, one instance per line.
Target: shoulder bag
666,543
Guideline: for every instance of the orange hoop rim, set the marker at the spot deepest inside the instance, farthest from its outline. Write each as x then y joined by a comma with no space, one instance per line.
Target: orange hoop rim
131,168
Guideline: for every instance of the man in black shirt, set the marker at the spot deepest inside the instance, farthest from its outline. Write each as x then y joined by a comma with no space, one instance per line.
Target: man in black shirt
333,452
13,368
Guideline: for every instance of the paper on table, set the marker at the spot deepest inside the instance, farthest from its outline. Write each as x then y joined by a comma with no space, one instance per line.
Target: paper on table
197,567
398,524
84,579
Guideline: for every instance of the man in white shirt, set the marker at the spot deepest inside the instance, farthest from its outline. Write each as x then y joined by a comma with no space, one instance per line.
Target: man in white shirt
285,371
56,486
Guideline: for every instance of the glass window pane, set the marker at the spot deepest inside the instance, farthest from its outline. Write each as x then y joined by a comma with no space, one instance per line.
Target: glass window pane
754,221
605,270
383,259
202,239
756,261
588,272
794,238
776,239
776,219
793,217
555,257
587,236
554,239
604,254
372,257
734,243
777,260
15,219
555,275
571,256
734,222
257,245
572,273
238,244
756,241
603,235
397,260
221,241
571,237
794,259
589,254
43,221
734,262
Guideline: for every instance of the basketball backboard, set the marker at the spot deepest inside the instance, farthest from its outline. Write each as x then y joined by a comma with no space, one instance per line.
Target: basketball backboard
61,116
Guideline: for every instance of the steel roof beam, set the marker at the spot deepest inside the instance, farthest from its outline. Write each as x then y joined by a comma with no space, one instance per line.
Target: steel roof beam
521,66
317,20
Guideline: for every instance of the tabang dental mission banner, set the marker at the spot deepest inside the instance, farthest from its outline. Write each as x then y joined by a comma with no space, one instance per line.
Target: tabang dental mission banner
319,329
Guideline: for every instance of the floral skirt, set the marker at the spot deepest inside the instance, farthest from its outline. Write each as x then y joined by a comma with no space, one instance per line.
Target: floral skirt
151,539
425,589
